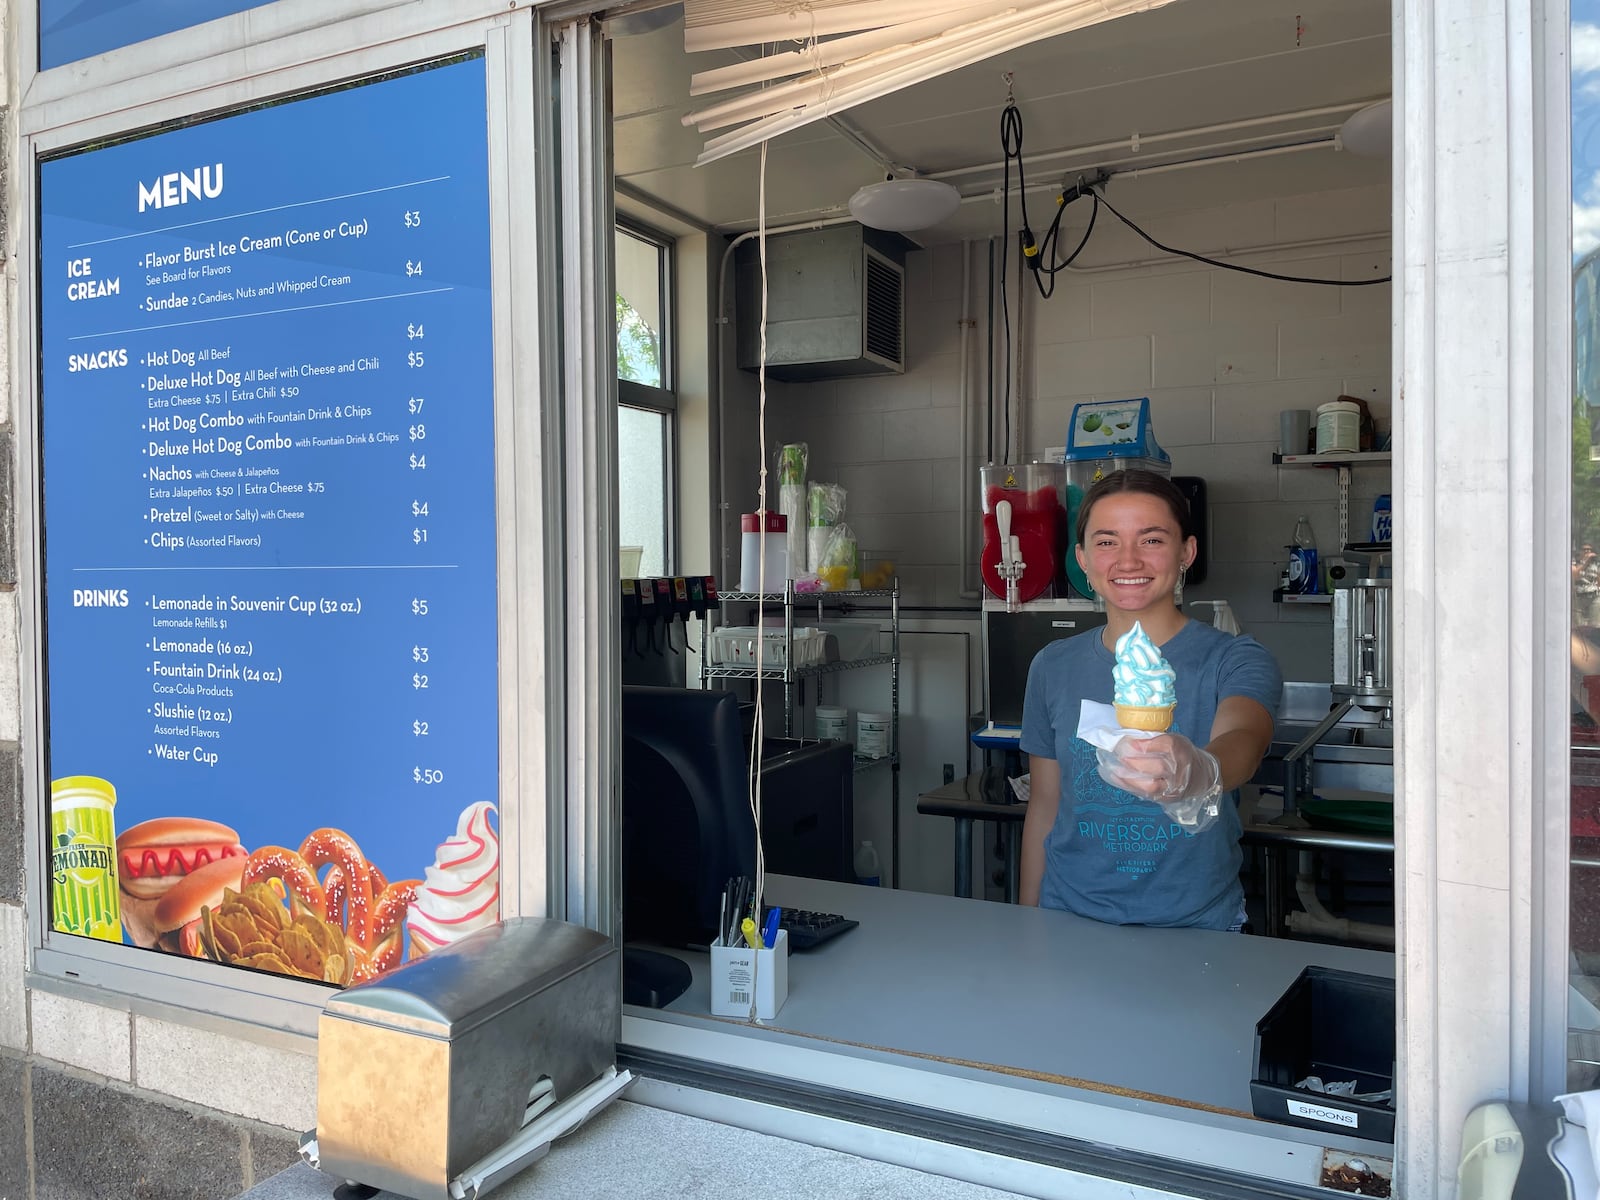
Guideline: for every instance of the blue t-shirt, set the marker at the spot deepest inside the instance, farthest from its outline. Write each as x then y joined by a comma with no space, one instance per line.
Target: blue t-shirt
1118,857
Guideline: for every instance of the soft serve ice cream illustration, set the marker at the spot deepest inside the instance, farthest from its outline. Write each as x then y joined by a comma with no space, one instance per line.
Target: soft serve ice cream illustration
1143,682
461,893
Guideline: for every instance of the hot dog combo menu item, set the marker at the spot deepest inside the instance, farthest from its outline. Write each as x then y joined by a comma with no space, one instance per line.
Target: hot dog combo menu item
266,408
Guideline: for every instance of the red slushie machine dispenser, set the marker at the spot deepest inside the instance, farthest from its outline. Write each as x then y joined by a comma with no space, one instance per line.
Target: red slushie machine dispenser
1025,535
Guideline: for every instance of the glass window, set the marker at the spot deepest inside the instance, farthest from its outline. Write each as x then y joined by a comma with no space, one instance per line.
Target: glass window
1584,997
640,309
642,445
645,415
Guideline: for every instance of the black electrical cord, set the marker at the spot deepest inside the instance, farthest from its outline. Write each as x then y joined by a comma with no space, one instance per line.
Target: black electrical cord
1040,256
1009,113
1212,262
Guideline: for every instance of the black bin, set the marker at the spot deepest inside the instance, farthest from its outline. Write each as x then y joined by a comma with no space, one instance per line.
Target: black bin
1338,1026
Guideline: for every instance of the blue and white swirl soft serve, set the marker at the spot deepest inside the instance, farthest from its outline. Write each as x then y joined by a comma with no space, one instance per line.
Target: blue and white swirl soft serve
1142,677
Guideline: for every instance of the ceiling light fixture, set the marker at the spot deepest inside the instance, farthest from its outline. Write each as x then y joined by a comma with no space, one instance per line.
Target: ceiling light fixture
903,205
1369,132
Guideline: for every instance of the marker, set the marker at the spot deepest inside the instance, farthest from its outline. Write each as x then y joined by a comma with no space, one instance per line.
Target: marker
750,936
769,935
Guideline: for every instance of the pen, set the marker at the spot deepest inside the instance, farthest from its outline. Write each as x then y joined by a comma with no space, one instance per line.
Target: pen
769,935
722,923
752,939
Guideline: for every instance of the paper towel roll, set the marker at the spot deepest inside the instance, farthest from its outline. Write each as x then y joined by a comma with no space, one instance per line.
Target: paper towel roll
792,504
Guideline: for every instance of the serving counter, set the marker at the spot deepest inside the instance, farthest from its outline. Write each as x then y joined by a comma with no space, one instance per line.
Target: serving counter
1158,1015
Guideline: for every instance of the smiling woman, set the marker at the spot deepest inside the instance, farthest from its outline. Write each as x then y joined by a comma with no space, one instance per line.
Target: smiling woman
1111,834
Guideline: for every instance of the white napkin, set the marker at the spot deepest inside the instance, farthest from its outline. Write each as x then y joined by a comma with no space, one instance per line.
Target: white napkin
1097,725
1577,1155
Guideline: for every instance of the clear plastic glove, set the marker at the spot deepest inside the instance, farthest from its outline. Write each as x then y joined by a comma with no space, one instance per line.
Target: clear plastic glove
1171,770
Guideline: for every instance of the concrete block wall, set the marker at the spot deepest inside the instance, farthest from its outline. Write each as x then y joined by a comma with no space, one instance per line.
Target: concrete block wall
1218,353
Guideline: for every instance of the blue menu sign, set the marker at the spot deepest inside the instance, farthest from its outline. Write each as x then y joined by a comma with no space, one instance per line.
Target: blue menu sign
70,30
269,531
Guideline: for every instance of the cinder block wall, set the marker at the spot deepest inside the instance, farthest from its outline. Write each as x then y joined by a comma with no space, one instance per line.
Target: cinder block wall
1218,353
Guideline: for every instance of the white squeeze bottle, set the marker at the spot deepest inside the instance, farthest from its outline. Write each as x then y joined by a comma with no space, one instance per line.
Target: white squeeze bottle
867,870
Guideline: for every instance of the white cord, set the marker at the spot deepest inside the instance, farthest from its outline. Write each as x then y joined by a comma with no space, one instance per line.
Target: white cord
761,553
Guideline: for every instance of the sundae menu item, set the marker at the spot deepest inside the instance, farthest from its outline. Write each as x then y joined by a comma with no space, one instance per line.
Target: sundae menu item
154,856
83,867
461,894
1143,682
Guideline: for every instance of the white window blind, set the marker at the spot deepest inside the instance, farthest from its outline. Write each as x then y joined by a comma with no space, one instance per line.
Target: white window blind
852,51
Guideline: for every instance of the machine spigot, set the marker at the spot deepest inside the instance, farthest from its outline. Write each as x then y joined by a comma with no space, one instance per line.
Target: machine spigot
1011,565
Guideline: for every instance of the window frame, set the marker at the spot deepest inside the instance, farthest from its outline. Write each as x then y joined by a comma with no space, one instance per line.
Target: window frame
518,119
662,400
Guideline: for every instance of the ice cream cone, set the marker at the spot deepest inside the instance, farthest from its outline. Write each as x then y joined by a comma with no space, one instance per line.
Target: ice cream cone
1153,718
419,948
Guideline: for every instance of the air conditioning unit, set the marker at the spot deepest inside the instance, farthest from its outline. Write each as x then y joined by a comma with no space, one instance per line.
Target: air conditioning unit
835,303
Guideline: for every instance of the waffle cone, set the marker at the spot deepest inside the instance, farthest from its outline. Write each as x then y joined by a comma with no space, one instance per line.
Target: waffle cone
1153,718
419,948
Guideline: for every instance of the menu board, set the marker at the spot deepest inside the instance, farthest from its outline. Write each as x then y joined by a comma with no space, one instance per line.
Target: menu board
269,531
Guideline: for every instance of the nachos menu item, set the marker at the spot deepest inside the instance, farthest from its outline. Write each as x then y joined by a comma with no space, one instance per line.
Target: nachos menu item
1144,685
153,857
461,893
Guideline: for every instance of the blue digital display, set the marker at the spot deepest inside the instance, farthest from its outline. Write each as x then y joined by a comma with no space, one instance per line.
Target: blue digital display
268,495
70,30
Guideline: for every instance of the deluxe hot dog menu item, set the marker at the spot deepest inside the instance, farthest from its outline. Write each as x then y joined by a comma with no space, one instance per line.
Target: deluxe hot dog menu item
266,409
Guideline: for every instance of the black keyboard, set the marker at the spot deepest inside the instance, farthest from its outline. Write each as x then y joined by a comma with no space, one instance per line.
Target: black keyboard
810,929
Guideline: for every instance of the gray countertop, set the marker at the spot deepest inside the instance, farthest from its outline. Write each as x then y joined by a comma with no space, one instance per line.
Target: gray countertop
1158,1013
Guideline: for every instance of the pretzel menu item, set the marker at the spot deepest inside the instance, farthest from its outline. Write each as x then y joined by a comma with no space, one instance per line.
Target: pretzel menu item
354,898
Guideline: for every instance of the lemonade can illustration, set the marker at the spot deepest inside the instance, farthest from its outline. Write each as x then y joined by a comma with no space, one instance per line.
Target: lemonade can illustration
83,858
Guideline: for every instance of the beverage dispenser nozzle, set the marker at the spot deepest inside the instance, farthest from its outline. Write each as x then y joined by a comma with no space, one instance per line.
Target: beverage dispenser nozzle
1011,564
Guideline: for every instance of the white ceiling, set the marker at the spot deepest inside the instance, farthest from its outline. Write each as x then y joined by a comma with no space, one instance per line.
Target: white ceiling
1192,63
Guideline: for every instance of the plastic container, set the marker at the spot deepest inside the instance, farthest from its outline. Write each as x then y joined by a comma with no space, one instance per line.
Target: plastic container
868,871
628,560
756,529
1338,427
1304,575
1083,474
1338,1026
872,734
832,723
735,646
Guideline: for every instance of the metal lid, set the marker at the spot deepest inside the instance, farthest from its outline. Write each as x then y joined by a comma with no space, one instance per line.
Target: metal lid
452,990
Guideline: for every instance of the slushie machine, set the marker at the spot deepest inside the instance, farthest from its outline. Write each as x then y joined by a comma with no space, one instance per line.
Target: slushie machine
1030,510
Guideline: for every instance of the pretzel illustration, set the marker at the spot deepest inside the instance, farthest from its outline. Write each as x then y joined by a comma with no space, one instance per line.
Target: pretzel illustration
354,895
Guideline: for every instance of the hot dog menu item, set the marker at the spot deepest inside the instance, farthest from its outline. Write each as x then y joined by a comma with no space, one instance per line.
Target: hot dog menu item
461,893
155,855
83,869
177,915
267,402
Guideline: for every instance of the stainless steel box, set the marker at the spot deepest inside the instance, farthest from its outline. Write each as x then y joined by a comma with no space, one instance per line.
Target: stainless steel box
426,1071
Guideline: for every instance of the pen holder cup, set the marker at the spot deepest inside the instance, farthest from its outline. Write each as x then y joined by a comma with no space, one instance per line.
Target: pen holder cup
740,974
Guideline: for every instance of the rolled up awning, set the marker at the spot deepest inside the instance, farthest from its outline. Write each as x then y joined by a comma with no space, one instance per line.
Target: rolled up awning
850,51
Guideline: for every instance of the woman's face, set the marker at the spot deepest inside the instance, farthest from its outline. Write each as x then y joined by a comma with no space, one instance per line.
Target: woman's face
1132,550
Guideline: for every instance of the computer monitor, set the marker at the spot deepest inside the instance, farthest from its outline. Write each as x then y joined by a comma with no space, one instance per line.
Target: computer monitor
686,820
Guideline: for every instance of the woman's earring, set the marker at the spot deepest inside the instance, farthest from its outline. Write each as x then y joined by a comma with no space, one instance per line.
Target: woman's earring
1177,592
